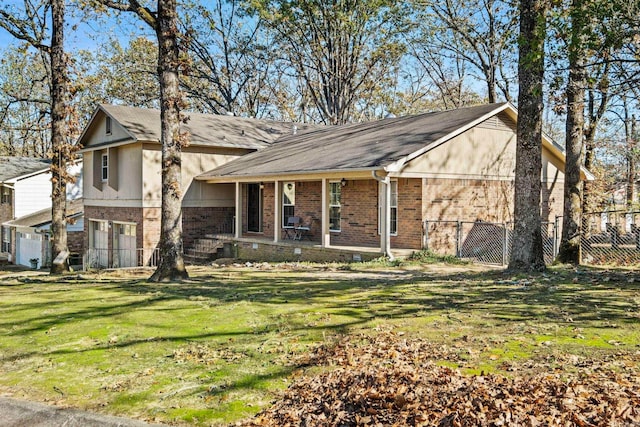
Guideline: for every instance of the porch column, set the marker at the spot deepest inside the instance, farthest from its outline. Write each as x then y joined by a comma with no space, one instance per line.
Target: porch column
386,239
324,220
385,214
277,223
238,224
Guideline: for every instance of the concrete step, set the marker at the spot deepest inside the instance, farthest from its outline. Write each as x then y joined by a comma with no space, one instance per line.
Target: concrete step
203,251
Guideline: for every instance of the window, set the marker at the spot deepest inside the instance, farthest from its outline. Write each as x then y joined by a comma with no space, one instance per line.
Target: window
107,127
335,193
394,207
105,167
6,239
6,196
393,204
288,201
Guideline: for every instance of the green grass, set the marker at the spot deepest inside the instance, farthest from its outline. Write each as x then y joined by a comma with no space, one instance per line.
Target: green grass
219,347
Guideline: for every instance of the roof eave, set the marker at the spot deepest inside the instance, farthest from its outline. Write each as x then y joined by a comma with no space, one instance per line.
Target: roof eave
287,175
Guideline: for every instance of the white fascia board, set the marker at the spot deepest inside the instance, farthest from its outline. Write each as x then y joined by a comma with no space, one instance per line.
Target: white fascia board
28,175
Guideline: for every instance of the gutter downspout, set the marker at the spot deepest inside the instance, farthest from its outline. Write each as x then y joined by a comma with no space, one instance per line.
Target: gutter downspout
386,214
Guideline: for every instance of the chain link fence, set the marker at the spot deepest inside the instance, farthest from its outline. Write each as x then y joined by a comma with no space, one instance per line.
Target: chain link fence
483,242
611,238
608,238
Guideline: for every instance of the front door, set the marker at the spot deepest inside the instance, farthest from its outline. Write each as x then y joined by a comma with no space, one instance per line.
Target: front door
254,208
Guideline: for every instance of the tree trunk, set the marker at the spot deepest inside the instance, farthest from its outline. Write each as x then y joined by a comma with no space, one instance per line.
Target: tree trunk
573,187
171,265
631,173
527,251
58,141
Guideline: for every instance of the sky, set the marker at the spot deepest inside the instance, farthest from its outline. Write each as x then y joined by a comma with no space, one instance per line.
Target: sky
85,33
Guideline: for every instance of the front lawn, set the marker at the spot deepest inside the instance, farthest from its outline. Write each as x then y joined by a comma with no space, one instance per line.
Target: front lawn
221,346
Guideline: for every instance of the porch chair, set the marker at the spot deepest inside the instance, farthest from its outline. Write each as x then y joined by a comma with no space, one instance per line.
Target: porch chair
289,231
303,231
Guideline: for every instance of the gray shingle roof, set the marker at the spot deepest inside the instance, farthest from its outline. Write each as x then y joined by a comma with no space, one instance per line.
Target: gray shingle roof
43,217
14,167
352,147
205,129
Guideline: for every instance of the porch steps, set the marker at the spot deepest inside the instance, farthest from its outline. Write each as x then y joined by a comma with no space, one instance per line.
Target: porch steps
203,250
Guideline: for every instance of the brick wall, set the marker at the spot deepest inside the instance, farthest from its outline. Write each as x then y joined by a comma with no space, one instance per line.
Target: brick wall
131,215
75,242
359,222
6,211
552,200
467,200
359,215
309,207
409,234
268,195
197,222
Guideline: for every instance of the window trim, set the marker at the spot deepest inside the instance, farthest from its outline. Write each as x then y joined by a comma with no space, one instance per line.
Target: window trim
380,189
338,185
6,244
108,126
292,205
104,173
5,196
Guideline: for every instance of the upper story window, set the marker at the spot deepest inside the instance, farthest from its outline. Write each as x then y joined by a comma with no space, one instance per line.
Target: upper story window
105,167
107,126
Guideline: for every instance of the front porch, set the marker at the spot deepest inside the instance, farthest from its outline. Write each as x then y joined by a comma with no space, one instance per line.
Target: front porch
356,214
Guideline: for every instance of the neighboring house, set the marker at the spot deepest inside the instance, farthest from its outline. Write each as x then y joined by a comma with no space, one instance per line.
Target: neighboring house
25,228
33,235
375,184
122,168
25,187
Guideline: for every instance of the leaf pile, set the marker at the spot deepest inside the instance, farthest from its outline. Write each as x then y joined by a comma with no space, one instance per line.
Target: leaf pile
390,381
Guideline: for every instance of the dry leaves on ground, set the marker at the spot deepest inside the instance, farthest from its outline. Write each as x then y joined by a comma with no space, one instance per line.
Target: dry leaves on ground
391,381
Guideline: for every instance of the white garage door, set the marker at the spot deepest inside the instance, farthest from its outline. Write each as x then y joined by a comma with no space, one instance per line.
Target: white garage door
124,239
99,244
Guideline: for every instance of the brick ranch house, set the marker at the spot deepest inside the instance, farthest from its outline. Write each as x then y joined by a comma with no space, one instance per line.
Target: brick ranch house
368,185
374,184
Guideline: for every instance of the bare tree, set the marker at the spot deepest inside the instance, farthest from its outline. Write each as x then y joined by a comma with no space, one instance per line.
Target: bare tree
339,48
479,33
30,25
164,21
574,139
230,65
